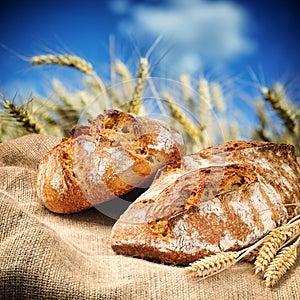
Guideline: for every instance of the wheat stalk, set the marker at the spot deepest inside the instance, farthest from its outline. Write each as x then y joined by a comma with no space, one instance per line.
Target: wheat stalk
263,118
67,116
210,93
217,96
187,91
64,60
205,106
22,116
93,86
126,78
43,114
282,262
135,103
69,61
122,70
204,93
183,119
212,264
276,97
274,265
77,101
274,241
65,97
293,230
9,128
218,262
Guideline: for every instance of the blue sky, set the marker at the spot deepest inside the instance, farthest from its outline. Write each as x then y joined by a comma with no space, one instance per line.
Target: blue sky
201,37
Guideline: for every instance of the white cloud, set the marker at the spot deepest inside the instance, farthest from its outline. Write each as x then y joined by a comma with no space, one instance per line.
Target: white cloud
201,32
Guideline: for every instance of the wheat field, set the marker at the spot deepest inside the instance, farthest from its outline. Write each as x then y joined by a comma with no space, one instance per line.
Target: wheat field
200,109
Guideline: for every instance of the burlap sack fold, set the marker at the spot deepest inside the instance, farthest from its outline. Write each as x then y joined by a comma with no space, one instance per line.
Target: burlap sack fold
49,256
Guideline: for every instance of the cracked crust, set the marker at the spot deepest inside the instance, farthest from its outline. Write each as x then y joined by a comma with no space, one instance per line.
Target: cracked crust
115,154
223,198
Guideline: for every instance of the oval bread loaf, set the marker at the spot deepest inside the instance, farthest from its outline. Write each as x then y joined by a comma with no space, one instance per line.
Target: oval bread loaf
115,154
223,198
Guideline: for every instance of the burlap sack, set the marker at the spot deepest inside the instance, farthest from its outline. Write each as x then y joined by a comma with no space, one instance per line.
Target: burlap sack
49,256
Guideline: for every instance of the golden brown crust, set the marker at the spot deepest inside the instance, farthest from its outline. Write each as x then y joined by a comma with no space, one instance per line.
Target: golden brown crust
222,198
57,186
115,154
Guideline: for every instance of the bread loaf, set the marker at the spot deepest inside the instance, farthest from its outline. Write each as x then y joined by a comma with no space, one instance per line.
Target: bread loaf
115,154
223,198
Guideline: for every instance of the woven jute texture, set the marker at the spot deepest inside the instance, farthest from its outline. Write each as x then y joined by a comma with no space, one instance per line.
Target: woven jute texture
49,256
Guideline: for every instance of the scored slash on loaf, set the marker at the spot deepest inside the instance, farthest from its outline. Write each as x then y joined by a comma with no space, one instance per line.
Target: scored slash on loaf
117,153
223,198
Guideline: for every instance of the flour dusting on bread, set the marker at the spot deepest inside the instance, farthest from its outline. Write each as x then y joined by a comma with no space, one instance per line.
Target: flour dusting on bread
223,198
117,153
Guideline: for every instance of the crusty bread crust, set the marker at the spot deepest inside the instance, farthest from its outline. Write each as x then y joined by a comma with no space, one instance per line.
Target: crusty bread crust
115,154
223,198
57,187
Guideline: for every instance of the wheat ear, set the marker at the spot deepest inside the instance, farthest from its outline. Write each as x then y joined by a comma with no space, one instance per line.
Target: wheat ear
136,100
212,264
274,241
276,97
217,96
23,116
218,262
69,61
126,78
205,106
64,60
122,70
182,118
283,261
187,91
204,92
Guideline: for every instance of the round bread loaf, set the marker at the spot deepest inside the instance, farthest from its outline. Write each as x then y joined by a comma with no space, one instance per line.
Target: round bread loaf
115,154
223,198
